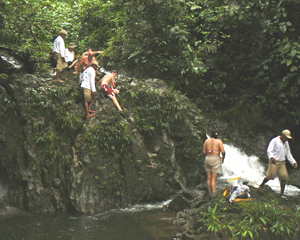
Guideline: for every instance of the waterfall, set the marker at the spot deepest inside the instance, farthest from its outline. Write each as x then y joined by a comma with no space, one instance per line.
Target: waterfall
238,164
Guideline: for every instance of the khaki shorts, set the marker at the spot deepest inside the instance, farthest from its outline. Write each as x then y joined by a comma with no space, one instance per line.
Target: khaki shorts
60,64
278,169
213,164
88,95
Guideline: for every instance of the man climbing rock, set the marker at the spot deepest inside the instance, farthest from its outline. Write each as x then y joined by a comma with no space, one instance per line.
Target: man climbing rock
89,88
106,81
86,61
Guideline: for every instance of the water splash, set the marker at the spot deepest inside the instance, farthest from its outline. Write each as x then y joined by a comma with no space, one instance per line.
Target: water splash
135,208
11,60
238,164
104,71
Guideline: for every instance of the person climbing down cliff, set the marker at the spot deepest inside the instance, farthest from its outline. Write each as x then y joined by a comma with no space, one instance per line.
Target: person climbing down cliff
89,88
106,81
212,148
86,61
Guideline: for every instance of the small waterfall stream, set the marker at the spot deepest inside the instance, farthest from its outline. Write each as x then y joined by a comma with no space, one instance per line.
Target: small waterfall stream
238,164
11,62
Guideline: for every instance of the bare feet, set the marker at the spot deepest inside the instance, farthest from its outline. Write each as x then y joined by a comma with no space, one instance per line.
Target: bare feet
75,72
92,111
65,78
90,115
58,80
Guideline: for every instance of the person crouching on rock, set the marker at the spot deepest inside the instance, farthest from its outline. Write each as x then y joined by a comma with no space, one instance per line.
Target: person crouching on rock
106,81
212,148
70,56
89,88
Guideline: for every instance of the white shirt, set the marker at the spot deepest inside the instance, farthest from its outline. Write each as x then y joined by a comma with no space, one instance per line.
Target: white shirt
280,151
88,79
59,46
69,56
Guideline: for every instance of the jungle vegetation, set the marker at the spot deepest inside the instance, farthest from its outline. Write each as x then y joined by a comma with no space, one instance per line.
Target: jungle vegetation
222,54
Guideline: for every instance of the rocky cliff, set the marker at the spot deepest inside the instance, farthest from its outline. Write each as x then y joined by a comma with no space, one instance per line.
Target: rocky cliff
54,159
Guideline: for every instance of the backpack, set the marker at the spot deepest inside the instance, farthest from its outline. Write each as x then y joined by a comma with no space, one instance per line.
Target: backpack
242,193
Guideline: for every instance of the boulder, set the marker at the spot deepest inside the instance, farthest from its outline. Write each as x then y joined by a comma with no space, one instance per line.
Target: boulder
10,64
188,198
54,159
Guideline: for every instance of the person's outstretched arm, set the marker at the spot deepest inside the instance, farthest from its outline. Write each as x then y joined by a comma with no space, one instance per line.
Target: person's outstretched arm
79,65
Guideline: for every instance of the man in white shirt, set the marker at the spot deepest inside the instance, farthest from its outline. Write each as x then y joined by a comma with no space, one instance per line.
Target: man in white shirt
278,150
89,88
70,55
59,54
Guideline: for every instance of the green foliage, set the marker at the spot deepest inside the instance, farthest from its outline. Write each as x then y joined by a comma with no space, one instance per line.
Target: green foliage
221,53
108,140
157,109
256,219
107,145
211,220
52,119
33,25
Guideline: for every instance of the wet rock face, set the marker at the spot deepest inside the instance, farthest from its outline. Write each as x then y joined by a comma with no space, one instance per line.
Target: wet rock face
10,64
294,177
187,199
2,199
54,159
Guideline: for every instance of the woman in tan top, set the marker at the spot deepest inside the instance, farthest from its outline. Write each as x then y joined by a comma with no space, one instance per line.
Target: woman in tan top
212,147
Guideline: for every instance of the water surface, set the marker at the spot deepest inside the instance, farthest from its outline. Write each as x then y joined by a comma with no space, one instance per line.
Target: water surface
122,224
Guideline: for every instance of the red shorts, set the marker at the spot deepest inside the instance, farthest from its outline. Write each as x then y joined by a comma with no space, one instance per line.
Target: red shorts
106,89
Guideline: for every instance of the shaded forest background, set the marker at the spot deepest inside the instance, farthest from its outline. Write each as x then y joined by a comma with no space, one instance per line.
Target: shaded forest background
231,58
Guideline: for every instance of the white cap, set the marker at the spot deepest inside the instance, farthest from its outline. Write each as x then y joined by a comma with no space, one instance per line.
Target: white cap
287,133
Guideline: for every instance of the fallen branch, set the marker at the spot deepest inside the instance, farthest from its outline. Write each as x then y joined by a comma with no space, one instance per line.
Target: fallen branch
37,41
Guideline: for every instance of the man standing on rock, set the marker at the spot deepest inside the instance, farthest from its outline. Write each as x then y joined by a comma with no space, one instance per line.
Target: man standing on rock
59,54
278,150
110,92
89,88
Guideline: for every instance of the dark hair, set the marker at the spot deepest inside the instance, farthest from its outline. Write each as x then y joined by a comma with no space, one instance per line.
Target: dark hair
214,134
114,71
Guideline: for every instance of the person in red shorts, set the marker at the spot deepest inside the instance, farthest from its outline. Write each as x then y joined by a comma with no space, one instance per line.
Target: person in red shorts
106,81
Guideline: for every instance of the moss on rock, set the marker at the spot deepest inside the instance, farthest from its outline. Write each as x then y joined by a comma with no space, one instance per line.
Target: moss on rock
68,162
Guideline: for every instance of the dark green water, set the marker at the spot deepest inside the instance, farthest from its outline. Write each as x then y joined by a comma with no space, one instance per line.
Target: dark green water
115,225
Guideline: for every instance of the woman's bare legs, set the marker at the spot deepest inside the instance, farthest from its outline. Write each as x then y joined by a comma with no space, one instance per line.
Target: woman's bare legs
211,182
